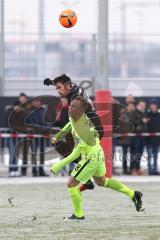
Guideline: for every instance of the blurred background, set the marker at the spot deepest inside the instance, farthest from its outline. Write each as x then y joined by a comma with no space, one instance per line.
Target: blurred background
34,46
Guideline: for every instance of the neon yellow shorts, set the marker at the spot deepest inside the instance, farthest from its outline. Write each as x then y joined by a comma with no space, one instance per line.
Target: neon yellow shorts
85,169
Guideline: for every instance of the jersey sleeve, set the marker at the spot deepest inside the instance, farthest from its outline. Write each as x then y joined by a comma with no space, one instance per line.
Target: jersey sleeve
62,163
73,156
63,132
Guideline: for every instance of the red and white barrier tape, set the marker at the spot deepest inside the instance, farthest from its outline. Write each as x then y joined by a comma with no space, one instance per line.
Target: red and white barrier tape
20,135
151,134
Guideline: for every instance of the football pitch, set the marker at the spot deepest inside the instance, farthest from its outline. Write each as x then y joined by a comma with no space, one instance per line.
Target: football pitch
36,211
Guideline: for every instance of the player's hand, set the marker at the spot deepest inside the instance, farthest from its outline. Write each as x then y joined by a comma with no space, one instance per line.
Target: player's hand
53,140
47,82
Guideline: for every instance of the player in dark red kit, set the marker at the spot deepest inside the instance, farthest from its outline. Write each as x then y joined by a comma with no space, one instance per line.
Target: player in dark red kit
65,88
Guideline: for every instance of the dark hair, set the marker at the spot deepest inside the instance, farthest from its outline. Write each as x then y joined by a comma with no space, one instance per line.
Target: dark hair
62,79
22,95
84,103
154,101
141,100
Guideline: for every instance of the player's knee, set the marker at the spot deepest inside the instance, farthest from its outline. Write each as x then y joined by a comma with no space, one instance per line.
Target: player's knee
71,182
69,185
100,183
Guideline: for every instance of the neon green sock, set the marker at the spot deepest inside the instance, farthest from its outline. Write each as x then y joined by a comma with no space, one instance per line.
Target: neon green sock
118,186
76,198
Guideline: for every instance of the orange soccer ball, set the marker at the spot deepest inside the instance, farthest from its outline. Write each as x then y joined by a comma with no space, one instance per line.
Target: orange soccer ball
68,18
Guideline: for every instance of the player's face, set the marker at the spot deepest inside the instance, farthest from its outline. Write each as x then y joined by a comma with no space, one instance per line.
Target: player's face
63,89
75,109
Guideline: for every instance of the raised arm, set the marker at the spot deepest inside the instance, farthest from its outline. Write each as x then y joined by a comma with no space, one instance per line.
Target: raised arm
62,133
62,163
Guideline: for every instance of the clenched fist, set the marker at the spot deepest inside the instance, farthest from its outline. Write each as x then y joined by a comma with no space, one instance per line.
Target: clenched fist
47,82
53,140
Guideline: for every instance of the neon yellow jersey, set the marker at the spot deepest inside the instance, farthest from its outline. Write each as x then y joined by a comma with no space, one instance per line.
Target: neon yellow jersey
84,132
87,144
85,136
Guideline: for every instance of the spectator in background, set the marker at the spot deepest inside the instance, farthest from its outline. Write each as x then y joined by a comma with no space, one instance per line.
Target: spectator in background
126,141
22,98
21,112
140,120
131,106
129,99
13,158
35,119
115,122
153,142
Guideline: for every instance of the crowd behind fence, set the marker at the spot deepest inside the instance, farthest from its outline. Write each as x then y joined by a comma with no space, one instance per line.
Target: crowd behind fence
136,130
21,153
30,160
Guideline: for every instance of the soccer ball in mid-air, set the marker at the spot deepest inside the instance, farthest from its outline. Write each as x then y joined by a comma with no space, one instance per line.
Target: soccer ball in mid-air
68,18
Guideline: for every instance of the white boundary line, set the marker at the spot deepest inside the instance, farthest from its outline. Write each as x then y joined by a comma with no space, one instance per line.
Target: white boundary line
53,180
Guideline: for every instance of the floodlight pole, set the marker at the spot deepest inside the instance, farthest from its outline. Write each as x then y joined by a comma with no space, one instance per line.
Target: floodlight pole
103,95
41,66
1,47
102,81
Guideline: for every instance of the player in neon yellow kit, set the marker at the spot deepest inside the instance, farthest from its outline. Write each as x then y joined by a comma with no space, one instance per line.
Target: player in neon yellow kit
92,163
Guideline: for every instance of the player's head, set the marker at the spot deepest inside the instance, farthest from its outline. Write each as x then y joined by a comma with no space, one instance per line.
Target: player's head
78,107
63,85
